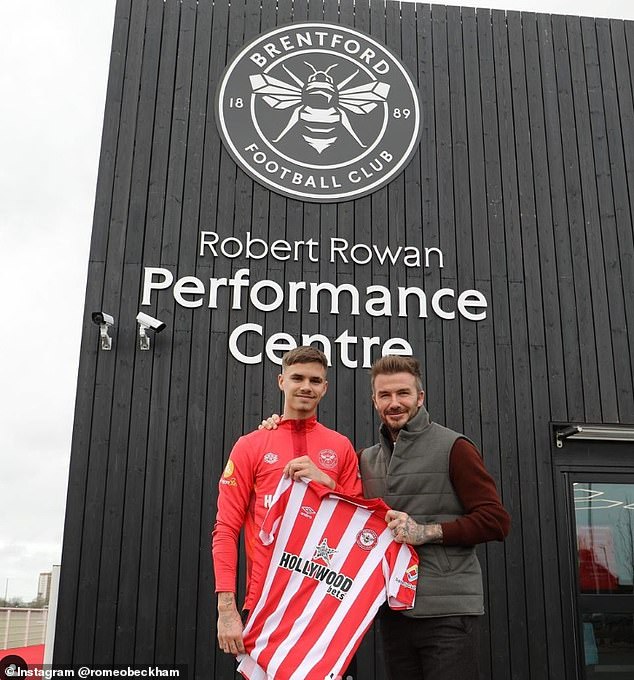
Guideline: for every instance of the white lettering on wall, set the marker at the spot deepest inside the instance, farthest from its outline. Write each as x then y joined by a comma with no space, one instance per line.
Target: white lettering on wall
249,343
354,352
337,249
267,296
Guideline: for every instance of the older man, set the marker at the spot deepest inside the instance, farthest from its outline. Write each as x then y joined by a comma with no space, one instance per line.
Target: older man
444,502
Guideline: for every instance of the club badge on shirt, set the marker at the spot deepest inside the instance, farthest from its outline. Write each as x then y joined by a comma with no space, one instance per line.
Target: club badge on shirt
328,459
367,539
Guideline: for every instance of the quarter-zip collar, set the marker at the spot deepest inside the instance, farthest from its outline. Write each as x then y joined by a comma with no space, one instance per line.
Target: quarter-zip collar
299,429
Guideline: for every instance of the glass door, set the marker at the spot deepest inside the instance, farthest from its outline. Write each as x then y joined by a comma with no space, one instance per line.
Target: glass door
603,515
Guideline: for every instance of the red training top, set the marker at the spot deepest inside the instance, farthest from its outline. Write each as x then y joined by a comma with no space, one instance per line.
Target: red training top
249,481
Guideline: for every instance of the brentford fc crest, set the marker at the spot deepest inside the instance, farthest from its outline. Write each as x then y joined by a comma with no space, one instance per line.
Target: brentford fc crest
367,539
328,459
318,112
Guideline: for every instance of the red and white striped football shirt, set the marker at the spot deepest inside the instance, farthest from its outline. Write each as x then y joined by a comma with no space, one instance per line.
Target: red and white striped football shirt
333,562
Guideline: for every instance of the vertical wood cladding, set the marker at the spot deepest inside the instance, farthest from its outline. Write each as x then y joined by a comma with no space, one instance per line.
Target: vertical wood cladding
523,179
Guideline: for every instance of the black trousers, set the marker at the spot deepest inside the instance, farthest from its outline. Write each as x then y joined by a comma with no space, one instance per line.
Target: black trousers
444,648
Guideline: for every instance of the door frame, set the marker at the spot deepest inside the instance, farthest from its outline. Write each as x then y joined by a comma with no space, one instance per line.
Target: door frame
575,459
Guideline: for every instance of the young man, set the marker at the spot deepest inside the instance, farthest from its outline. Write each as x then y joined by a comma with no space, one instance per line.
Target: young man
444,500
299,447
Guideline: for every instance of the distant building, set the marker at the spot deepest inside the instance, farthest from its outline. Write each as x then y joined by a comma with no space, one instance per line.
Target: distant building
44,586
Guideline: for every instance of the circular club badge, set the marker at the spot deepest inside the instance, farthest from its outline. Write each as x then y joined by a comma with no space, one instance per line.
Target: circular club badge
367,539
318,112
328,459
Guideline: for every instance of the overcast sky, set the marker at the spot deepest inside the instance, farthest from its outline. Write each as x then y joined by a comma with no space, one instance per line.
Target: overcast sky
53,72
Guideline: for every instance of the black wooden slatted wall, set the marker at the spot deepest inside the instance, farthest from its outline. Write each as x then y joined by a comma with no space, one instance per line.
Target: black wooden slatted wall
523,178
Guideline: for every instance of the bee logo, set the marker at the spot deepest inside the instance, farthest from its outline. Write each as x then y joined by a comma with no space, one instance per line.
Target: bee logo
318,112
319,104
328,459
367,539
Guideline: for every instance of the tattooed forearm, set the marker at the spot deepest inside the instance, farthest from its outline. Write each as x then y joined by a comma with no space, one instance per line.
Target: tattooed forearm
419,534
226,602
406,530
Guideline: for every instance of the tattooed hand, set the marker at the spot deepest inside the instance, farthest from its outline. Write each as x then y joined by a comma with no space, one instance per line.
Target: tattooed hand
406,530
229,625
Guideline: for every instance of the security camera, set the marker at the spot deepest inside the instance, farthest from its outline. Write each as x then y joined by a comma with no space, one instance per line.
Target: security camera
102,318
149,322
104,321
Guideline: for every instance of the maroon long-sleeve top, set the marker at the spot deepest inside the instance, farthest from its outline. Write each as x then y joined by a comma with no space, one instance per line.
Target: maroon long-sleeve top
485,517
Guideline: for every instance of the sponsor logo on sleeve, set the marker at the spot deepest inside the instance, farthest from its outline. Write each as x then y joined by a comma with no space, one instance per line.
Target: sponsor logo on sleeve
227,479
411,576
229,468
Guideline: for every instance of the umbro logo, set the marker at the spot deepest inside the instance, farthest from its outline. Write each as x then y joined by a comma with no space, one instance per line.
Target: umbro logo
307,512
